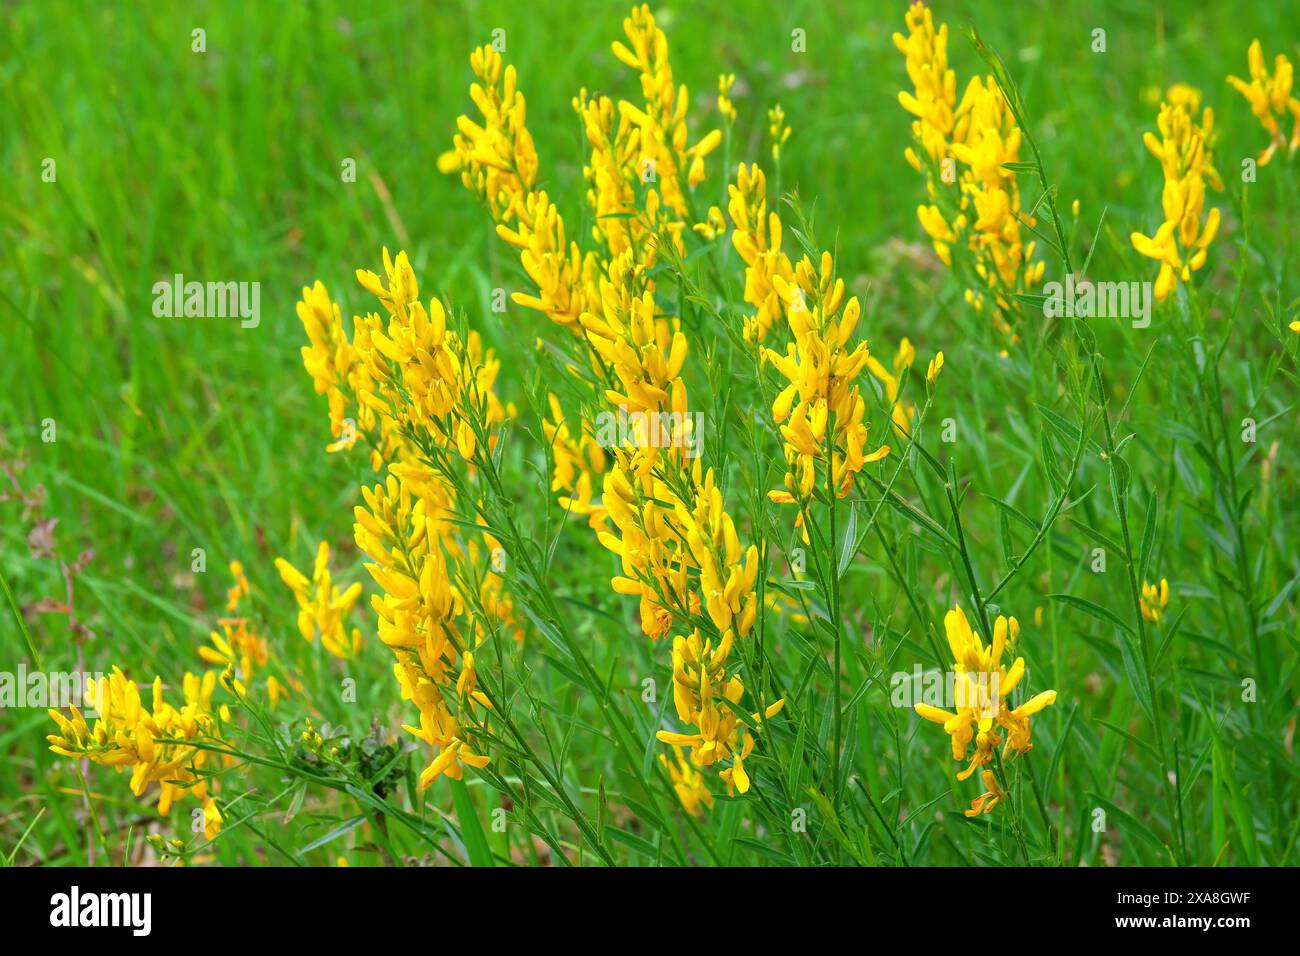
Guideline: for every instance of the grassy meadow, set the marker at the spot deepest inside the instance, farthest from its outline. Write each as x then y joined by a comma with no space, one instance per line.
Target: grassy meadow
1045,474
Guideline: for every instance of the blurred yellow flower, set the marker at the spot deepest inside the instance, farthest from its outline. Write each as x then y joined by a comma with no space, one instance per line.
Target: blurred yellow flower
974,201
1269,96
725,106
321,606
1183,148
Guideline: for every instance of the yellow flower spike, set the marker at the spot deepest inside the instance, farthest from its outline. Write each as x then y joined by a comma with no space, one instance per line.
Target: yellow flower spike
934,368
657,508
777,130
725,106
983,685
1270,97
820,370
986,801
688,782
402,526
757,237
1183,148
967,145
322,608
1154,600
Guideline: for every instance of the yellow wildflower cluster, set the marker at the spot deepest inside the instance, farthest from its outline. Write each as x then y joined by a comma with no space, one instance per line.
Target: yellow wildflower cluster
321,607
819,365
497,160
661,121
338,373
158,742
1183,148
757,237
154,742
578,461
967,145
981,686
1269,97
679,549
821,411
934,95
699,674
239,650
430,389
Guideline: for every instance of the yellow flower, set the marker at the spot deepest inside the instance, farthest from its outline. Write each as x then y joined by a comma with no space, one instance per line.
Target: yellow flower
662,119
1154,600
699,678
579,462
1269,96
757,237
335,368
713,226
689,783
973,199
239,590
725,106
902,412
1183,148
496,159
236,645
986,801
777,130
934,95
821,366
660,509
934,368
212,819
420,380
274,691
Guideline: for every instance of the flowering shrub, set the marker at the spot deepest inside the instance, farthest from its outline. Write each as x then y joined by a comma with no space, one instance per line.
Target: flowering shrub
667,543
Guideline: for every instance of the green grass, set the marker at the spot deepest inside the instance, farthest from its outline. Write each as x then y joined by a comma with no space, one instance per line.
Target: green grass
176,434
